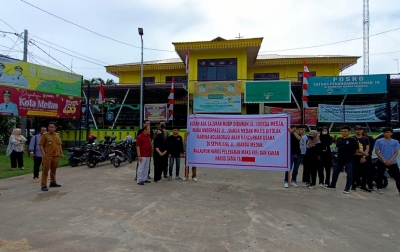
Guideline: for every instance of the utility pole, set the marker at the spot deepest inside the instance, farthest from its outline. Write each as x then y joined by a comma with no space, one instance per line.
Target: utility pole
23,118
366,36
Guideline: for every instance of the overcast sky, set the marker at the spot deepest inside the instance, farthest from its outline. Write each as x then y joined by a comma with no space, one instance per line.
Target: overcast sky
284,24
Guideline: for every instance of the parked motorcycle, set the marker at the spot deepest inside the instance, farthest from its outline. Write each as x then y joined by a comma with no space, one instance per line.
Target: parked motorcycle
100,153
123,153
77,155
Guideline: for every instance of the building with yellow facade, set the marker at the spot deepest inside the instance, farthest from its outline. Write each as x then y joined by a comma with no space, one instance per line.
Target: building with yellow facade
216,60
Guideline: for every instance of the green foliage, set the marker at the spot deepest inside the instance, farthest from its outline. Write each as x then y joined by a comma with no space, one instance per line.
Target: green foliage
7,124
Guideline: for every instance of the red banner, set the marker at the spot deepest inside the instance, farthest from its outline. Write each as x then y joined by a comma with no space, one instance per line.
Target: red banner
23,102
311,114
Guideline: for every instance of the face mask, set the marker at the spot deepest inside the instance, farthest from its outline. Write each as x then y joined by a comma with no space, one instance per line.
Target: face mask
311,137
324,132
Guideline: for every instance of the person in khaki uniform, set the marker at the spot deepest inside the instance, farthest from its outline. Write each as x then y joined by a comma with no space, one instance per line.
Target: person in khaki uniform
51,148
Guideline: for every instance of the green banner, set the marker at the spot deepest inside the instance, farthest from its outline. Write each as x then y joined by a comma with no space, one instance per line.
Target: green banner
267,91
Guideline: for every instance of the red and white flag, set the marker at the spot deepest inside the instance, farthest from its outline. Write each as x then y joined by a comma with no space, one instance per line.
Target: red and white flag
306,75
187,60
171,102
101,93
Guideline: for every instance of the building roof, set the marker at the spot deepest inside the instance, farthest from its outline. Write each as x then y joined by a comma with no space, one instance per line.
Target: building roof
259,57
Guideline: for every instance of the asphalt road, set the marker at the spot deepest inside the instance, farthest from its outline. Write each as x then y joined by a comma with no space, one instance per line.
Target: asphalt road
102,209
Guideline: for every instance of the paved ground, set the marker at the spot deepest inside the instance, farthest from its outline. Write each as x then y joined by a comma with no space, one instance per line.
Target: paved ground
102,209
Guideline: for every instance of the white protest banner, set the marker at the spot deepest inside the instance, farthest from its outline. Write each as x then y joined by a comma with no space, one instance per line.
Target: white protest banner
253,142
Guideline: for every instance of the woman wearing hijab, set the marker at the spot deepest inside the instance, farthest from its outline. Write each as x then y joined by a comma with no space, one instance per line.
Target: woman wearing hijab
312,156
326,158
160,155
15,149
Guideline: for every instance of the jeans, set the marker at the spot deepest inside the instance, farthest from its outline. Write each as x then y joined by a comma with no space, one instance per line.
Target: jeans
348,166
294,165
171,165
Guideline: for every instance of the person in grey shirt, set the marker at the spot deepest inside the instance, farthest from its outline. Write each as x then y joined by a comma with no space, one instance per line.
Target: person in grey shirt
35,153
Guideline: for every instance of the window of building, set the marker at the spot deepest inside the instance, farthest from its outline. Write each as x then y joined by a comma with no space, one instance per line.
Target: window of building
177,79
149,80
217,69
266,76
300,75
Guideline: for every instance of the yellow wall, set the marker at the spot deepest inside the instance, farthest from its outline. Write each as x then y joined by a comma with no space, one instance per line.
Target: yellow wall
290,71
240,54
134,77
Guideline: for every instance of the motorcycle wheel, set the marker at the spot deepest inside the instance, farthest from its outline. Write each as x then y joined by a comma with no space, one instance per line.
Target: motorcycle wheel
73,163
115,161
130,159
90,163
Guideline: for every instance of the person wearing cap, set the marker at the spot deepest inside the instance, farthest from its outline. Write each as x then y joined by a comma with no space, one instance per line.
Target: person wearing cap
360,159
18,79
4,78
8,107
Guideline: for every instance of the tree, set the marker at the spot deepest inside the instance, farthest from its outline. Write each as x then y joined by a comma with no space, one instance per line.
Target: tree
7,124
110,81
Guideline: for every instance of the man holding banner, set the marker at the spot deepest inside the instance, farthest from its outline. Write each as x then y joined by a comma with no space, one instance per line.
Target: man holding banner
295,156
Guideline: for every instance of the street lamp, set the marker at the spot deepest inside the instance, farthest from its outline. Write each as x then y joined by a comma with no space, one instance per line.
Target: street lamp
140,30
397,66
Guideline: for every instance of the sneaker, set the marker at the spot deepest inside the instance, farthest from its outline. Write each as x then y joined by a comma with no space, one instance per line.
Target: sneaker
286,185
184,179
364,189
353,189
306,185
371,189
195,179
178,178
321,185
380,191
54,185
346,191
170,178
44,189
330,187
325,185
294,184
35,180
311,187
140,183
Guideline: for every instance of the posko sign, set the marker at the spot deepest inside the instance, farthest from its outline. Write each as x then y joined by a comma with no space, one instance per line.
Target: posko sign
253,142
355,84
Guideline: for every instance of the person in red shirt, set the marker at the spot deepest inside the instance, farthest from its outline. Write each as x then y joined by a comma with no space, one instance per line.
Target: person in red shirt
143,149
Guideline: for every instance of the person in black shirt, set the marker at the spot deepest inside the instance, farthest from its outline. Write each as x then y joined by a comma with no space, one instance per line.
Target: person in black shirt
326,157
175,152
295,156
312,156
160,155
347,146
146,123
360,159
369,166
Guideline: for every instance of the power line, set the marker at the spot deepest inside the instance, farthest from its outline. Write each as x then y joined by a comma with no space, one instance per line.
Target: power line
51,56
68,49
8,25
33,42
96,33
333,43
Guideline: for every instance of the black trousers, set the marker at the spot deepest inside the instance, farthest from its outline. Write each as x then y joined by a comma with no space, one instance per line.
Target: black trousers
325,164
366,174
17,157
310,172
358,170
393,172
37,162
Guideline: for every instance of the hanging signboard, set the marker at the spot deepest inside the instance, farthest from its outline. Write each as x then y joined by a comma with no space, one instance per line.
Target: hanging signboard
267,91
356,113
217,97
353,84
252,142
311,114
156,112
23,102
